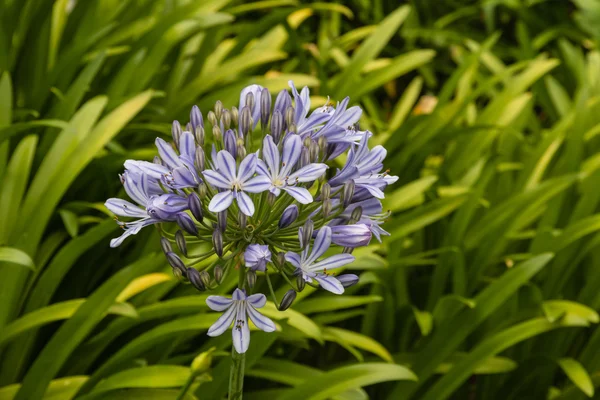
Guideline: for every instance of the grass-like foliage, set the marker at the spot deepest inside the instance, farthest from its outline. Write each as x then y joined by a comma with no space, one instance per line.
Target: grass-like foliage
488,287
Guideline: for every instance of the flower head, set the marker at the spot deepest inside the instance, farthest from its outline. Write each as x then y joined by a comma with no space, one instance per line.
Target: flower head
257,256
237,310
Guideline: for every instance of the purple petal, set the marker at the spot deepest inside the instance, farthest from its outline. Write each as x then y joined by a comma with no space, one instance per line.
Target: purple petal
167,154
218,303
226,165
187,145
241,332
183,178
257,300
335,261
347,173
257,184
124,208
133,229
293,258
271,155
299,193
292,148
351,235
321,244
263,323
134,187
308,173
245,204
216,179
154,171
330,283
247,168
239,294
262,169
313,122
221,201
223,323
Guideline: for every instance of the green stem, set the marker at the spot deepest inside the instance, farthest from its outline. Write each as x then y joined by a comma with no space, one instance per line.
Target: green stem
238,361
236,375
186,387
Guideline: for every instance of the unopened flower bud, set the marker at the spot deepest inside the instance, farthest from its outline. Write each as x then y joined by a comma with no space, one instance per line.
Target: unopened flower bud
314,152
347,280
218,109
199,135
176,262
205,278
271,198
218,274
300,282
282,102
217,241
348,192
200,159
280,259
322,142
157,160
196,118
230,142
288,299
292,128
304,157
176,132
226,118
306,234
242,220
250,100
217,134
246,119
195,280
307,142
186,223
202,362
181,244
325,191
165,245
276,126
288,216
355,215
265,107
189,127
326,208
235,116
212,118
202,191
251,278
222,220
289,116
241,151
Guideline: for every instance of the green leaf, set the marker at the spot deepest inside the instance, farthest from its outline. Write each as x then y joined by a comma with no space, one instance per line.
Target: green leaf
448,337
369,49
345,378
59,389
55,312
294,319
69,219
428,214
52,357
14,184
424,320
16,256
556,309
578,375
154,376
354,339
411,194
316,305
495,344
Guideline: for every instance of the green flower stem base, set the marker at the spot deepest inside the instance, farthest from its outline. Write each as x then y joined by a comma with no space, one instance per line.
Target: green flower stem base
236,375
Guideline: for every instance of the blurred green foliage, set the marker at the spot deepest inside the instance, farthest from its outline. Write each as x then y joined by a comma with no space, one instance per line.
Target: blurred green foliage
490,110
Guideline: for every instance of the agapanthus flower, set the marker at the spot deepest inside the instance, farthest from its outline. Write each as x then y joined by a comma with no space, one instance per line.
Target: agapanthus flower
308,266
257,256
237,310
234,183
278,168
268,191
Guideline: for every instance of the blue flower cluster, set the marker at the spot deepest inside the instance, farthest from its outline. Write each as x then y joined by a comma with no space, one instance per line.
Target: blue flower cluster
262,197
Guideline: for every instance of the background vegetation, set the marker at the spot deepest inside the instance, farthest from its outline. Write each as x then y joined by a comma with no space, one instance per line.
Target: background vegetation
488,287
